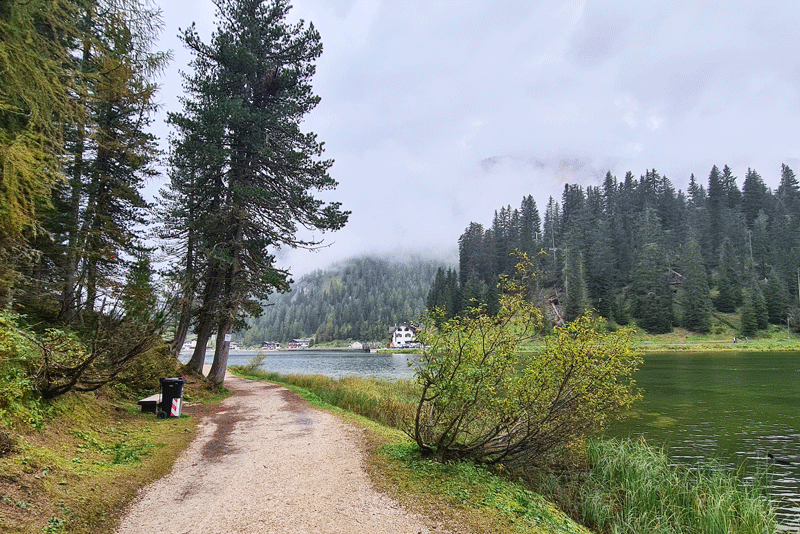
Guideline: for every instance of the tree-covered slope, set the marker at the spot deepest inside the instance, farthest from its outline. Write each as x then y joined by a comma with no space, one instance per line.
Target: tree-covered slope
638,251
358,299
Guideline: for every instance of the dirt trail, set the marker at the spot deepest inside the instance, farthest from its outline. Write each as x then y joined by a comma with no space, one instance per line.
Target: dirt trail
266,461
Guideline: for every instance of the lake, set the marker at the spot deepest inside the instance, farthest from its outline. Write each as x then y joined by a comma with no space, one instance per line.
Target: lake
333,363
735,408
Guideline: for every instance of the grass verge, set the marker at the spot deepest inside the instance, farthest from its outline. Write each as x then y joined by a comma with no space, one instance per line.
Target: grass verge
78,470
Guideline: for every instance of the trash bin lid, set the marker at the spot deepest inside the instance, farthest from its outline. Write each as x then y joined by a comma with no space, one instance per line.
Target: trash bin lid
172,380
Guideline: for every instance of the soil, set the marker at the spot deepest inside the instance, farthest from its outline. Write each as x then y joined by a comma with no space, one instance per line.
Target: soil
264,460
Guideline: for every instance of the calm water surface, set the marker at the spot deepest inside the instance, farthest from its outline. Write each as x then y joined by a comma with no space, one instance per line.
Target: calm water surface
335,364
735,408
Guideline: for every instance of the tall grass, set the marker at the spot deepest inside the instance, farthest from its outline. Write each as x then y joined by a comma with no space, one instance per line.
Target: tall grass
632,488
392,404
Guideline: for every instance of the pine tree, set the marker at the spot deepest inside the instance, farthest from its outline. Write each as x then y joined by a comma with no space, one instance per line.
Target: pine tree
696,301
252,82
776,298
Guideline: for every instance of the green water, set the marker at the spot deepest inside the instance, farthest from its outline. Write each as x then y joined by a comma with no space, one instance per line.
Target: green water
735,408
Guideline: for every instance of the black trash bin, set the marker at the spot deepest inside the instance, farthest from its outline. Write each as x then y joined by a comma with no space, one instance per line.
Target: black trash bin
171,397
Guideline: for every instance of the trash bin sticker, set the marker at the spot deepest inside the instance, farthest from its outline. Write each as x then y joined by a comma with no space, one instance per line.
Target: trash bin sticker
176,408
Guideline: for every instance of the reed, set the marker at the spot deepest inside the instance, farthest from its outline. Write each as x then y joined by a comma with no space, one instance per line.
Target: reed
392,404
633,488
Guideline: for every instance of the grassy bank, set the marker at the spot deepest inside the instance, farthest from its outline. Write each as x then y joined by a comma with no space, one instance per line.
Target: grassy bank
83,461
612,486
774,339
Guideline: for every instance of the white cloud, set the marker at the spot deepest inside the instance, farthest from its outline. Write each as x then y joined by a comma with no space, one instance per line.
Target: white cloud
417,94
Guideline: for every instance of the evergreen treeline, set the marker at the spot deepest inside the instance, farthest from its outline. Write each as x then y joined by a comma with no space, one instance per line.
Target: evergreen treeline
638,250
357,299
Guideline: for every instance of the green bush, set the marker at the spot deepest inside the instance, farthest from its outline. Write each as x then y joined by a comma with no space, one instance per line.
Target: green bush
19,361
140,376
484,400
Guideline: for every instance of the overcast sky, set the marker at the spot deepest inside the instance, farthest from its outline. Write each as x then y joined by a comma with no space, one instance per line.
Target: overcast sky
438,113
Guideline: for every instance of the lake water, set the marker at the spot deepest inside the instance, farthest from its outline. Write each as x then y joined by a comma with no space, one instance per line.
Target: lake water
335,363
735,408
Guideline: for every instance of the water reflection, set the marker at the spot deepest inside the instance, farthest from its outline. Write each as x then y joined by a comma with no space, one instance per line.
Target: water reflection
735,409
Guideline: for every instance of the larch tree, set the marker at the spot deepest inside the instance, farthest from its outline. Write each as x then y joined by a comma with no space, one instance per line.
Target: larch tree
251,82
94,232
34,101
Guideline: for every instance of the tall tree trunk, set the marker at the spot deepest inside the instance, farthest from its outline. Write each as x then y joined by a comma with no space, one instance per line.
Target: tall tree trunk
70,295
187,301
206,321
204,330
220,365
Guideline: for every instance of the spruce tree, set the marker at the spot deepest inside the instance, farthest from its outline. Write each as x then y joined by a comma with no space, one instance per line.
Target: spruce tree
574,284
729,284
651,292
749,321
776,298
755,196
696,301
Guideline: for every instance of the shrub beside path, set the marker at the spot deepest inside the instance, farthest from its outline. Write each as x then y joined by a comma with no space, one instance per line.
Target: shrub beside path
266,461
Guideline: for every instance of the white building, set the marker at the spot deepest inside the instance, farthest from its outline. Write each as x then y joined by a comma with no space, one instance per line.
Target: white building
403,335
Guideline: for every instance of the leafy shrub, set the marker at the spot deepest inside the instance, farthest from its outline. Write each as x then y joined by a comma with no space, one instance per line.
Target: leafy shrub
19,360
253,364
484,400
141,375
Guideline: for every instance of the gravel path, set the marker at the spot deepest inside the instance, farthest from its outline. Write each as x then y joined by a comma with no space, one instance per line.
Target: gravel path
266,461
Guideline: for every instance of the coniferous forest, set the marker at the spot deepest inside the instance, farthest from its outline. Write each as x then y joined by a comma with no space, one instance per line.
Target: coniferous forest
638,251
356,299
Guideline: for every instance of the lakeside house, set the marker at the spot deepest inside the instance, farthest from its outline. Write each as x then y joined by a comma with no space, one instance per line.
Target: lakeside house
300,344
403,336
270,345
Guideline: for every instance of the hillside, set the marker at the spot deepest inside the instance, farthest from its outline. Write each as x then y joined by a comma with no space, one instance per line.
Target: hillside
358,299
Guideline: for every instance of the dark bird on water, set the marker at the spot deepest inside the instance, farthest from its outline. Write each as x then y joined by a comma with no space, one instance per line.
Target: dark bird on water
779,461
